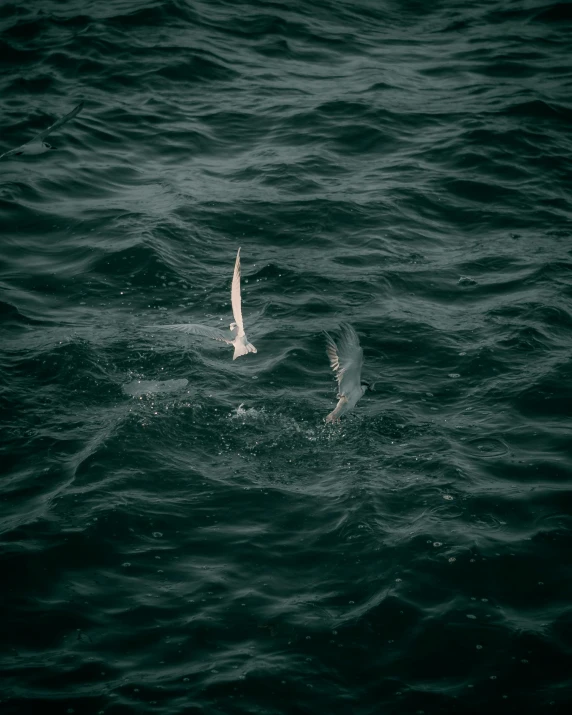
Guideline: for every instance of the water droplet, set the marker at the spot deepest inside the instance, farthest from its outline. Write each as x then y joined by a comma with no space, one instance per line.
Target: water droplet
471,616
479,647
448,497
157,534
454,375
126,565
436,544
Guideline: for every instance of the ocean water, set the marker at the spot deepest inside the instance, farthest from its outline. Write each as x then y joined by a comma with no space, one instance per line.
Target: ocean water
183,534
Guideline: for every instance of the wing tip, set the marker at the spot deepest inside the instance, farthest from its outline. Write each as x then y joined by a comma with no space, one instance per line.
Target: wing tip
329,338
347,327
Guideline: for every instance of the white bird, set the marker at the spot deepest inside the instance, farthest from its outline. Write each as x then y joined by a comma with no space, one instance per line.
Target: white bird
346,359
37,145
236,336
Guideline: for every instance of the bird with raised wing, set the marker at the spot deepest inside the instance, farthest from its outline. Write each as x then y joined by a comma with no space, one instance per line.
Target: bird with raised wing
235,336
37,145
346,360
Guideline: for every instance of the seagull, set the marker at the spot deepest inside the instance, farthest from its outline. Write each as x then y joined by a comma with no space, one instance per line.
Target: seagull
346,359
236,336
37,145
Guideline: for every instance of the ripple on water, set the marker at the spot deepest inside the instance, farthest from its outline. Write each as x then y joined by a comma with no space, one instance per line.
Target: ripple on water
487,446
136,388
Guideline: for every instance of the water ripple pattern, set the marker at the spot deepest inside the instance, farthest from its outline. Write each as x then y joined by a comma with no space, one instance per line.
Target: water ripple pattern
183,534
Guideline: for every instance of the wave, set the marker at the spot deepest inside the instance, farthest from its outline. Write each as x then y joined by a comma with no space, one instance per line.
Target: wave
183,532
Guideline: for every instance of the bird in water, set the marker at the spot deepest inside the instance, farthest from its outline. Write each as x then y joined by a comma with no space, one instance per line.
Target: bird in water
37,145
235,336
346,360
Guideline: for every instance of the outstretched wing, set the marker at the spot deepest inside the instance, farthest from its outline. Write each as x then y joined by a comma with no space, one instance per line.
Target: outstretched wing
11,152
346,359
224,336
74,112
235,296
42,135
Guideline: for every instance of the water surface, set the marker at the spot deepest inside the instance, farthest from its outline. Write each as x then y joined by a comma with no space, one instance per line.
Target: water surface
182,533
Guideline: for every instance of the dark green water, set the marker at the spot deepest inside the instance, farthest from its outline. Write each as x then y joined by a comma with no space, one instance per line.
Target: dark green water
183,534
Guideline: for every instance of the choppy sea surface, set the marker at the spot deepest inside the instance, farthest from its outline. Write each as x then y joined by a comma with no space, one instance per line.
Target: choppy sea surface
182,533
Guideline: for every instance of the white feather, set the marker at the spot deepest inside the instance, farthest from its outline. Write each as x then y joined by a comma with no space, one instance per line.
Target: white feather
235,336
346,360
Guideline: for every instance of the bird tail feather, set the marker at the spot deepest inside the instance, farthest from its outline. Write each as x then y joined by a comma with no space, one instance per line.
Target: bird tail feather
334,415
243,350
